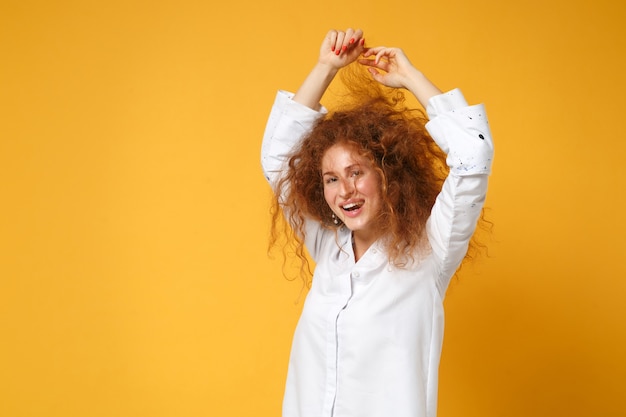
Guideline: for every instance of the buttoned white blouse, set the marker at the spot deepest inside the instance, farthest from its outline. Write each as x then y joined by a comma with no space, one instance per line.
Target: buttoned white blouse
369,339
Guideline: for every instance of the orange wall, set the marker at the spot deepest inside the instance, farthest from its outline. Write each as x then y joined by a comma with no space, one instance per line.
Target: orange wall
134,279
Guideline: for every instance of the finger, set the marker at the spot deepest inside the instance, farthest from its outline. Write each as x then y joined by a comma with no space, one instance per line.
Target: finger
375,75
368,62
349,39
332,39
383,52
358,37
358,42
373,50
354,38
339,42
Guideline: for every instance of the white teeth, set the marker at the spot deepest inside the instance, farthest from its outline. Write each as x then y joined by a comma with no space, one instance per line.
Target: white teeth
351,206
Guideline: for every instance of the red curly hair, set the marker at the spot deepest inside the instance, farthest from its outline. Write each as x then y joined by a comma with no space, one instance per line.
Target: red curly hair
376,122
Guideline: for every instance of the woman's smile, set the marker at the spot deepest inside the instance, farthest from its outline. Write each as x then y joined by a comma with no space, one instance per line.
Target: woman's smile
352,189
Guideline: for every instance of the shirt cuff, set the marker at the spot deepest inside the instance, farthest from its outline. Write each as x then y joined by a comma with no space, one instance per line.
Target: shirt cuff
295,110
445,102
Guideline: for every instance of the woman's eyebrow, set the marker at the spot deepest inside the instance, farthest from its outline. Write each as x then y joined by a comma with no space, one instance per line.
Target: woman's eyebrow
346,169
351,167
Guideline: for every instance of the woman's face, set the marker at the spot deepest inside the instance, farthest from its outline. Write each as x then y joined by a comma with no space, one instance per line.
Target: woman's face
352,189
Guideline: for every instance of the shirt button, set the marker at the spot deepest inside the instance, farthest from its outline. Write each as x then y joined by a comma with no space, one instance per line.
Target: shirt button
356,274
374,251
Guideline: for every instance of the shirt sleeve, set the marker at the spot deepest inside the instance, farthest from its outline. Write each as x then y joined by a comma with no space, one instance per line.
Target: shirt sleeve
463,133
288,123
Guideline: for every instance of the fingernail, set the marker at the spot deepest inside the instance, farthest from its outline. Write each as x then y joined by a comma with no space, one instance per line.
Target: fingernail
344,48
352,40
333,48
363,41
337,51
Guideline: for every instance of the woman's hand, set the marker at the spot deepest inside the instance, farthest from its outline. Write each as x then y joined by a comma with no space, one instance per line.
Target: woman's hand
392,68
396,67
340,48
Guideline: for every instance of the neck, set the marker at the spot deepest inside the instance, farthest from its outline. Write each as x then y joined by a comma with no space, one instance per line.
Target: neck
361,243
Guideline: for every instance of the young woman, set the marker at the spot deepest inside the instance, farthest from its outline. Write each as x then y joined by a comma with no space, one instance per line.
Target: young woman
364,190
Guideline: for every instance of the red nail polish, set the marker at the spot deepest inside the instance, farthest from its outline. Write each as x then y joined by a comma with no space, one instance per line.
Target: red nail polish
337,51
363,41
333,48
344,48
352,40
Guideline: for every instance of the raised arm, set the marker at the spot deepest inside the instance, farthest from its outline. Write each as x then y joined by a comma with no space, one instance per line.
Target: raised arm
463,133
339,48
293,115
398,72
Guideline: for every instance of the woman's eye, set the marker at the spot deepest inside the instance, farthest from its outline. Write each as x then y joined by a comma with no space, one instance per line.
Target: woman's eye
356,173
330,180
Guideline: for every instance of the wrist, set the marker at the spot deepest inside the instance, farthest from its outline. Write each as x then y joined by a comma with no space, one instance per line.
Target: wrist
415,80
421,87
325,70
312,89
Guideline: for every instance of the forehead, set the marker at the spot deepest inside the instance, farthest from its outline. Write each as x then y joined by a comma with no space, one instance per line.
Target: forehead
341,156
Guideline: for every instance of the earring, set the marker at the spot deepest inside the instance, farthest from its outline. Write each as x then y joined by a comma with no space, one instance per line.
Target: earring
335,219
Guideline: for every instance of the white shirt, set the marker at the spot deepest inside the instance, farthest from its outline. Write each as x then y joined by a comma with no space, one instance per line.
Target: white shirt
369,339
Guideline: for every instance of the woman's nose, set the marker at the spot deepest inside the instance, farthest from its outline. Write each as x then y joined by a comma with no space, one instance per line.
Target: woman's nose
347,187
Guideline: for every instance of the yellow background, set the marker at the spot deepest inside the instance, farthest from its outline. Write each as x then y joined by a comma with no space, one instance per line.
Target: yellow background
134,215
